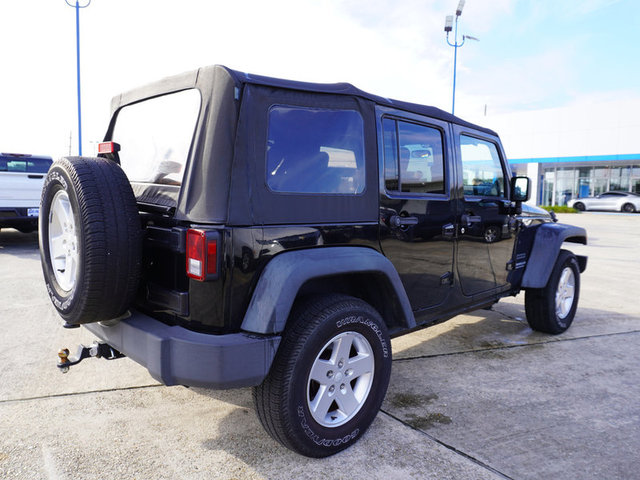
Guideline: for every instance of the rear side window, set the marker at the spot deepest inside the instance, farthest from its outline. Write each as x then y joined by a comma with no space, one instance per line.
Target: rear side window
413,158
27,165
155,136
482,173
312,150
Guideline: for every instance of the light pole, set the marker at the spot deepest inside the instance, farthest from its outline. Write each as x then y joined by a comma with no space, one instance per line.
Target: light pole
448,26
77,6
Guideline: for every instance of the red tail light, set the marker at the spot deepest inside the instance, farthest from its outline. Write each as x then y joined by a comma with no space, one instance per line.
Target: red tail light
202,254
108,147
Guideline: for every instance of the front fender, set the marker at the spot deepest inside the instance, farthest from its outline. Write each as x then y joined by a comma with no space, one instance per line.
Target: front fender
285,274
546,246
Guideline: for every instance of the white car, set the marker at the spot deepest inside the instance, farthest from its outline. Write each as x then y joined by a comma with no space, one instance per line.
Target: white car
617,201
21,180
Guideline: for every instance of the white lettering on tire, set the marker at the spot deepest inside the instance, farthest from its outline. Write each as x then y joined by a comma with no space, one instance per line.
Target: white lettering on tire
368,323
325,442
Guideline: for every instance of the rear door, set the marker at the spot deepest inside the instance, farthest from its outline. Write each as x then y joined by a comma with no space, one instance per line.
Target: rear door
21,179
486,227
608,201
416,210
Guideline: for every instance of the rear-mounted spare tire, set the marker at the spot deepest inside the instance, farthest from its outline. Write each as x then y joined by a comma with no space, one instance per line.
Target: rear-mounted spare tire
90,239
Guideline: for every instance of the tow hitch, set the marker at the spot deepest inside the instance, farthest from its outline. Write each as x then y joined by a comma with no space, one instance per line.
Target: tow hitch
98,350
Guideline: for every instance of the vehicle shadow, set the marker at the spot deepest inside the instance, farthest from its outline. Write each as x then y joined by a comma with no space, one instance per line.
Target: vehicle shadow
241,435
13,242
483,332
504,326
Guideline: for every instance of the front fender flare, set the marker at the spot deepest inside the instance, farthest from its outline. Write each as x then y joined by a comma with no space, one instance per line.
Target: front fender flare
285,274
546,246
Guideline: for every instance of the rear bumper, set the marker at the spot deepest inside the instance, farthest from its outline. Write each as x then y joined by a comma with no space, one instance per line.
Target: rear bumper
177,356
11,217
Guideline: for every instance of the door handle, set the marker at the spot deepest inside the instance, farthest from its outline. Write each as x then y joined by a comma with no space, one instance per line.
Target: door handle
467,220
398,221
448,231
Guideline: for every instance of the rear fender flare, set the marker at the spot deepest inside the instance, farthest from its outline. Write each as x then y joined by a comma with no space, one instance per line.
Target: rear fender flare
546,247
285,274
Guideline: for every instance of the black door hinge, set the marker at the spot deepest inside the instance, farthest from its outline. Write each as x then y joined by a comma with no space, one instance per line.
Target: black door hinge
446,279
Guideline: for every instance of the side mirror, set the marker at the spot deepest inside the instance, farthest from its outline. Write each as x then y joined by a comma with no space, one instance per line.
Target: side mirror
520,189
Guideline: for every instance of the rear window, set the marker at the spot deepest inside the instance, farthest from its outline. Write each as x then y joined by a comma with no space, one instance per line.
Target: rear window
313,150
25,164
155,136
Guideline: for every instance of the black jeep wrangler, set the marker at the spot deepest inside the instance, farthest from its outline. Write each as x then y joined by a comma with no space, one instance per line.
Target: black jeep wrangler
238,230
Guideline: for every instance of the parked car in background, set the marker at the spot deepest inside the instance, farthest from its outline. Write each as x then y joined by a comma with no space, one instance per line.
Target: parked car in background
616,201
532,215
21,179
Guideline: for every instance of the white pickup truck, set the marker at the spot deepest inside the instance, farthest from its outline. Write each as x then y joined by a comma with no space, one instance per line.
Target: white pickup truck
21,179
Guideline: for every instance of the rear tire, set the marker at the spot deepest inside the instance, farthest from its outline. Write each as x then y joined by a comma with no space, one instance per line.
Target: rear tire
90,239
329,376
551,309
628,208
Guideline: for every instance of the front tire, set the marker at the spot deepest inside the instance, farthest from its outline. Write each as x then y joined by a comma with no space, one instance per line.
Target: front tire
491,234
329,377
551,309
579,206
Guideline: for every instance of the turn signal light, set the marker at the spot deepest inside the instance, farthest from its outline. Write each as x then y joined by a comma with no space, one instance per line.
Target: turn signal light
202,254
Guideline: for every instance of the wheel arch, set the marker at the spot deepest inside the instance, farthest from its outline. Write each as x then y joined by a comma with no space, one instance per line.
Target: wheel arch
547,243
357,271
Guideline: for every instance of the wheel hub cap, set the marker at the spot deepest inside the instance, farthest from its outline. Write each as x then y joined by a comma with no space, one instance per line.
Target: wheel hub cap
340,379
63,241
565,293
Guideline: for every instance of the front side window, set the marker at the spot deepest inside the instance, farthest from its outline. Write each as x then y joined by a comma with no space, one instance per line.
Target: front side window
482,173
155,136
313,150
413,159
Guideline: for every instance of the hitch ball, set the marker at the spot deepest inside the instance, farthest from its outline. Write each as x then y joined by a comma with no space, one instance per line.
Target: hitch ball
63,354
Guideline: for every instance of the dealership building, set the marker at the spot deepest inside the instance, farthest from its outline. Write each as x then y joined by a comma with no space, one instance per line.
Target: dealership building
556,180
577,151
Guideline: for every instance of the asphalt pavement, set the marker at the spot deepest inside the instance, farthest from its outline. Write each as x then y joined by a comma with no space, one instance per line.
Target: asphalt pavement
478,397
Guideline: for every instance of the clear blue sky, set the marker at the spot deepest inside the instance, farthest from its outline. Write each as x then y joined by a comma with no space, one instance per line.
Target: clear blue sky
572,49
531,55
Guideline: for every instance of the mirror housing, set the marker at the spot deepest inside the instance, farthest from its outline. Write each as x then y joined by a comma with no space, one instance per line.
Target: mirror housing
520,189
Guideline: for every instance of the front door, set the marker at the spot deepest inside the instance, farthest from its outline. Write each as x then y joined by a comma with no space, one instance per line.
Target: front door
486,229
417,215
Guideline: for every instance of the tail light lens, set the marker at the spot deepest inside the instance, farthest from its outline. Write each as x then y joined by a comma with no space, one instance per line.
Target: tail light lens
108,147
202,254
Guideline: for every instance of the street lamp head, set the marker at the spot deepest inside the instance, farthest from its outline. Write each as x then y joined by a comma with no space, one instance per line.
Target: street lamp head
460,7
448,23
76,4
464,37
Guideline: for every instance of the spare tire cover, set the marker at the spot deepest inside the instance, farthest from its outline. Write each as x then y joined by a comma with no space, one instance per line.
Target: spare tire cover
90,239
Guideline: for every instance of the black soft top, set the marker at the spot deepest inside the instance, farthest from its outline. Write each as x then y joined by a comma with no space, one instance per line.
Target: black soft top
224,181
189,80
348,89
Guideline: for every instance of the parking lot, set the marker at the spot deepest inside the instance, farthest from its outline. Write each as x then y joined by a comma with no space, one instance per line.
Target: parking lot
478,397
